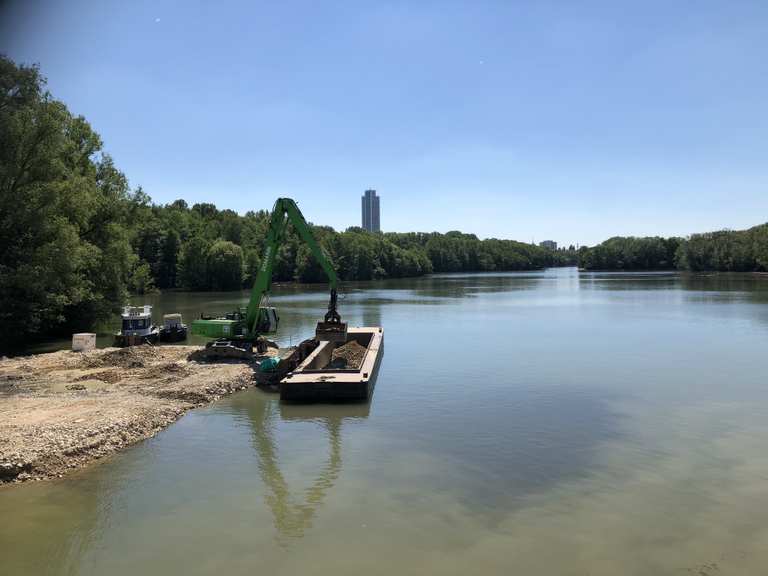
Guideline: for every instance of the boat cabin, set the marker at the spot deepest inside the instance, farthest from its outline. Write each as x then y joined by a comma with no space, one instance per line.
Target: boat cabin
137,320
136,326
173,329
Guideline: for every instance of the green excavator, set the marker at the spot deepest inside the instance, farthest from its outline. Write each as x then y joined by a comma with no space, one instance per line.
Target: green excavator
238,333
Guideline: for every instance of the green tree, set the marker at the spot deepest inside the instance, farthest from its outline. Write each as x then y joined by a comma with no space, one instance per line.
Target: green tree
193,271
149,243
251,262
169,260
631,253
63,206
760,246
141,281
225,265
308,269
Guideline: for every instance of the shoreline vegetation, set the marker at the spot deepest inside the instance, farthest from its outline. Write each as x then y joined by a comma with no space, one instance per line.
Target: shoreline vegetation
77,239
721,251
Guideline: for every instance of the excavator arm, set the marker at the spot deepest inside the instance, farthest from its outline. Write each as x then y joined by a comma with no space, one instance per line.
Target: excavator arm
285,210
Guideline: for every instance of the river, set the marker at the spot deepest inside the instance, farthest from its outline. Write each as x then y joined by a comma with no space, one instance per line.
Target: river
549,422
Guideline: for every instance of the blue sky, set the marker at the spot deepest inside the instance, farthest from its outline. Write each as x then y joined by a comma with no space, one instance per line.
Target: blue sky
574,121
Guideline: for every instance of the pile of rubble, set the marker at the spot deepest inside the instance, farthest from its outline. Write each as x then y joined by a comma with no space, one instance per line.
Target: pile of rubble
349,356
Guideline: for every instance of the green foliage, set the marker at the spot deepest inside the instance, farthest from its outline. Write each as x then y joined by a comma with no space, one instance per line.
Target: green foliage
62,266
725,250
141,281
251,263
224,265
631,253
193,268
458,252
307,267
169,260
760,246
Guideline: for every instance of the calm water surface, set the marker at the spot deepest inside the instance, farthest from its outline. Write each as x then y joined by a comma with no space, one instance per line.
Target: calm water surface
536,423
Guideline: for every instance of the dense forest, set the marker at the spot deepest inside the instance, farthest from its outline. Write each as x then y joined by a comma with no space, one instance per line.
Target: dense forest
76,239
724,251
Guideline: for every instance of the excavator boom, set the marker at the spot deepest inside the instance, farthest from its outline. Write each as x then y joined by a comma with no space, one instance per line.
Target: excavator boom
242,330
285,210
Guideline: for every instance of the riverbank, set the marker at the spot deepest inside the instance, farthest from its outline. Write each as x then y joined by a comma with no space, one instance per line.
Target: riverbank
62,410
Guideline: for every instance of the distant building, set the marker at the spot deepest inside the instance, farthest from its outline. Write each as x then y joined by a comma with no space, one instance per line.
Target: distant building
371,211
551,244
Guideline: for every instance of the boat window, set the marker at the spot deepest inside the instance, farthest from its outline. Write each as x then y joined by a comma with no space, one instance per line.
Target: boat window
134,323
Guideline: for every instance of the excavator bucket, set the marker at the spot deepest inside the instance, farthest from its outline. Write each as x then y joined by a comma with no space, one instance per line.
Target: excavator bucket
331,331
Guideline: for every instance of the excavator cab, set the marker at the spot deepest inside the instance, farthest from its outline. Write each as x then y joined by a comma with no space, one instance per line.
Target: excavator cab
267,320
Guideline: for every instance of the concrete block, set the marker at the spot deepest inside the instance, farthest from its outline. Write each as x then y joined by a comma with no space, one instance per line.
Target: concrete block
83,342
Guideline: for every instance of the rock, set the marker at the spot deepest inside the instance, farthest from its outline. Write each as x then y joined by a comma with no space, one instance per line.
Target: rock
11,470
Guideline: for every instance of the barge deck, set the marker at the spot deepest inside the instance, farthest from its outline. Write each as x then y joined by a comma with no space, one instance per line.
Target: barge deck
319,379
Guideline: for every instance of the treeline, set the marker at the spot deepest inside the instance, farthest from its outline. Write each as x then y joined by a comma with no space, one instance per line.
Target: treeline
75,240
203,248
723,251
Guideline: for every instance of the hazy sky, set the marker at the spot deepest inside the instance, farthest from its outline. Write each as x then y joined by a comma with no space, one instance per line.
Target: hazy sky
567,120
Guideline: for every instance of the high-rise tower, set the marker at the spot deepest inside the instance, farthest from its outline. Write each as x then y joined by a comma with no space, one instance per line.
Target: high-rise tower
371,211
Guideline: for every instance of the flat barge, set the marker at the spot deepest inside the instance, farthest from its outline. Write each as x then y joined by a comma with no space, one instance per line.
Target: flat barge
323,377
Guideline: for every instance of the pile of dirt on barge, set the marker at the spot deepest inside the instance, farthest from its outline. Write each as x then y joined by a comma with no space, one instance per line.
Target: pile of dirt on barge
62,410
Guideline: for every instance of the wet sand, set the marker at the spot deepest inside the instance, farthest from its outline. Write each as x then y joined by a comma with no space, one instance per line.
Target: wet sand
62,410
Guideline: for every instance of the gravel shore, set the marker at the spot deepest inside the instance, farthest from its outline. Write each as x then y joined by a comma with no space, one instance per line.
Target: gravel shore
62,410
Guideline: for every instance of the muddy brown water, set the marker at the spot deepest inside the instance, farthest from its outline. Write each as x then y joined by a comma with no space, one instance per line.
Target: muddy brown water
536,423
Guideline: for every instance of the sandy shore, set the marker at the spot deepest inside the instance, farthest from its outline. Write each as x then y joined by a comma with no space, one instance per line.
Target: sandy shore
62,410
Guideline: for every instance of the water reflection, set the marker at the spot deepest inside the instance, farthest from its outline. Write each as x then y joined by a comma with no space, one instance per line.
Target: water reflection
756,285
371,315
627,281
529,441
718,292
463,286
293,514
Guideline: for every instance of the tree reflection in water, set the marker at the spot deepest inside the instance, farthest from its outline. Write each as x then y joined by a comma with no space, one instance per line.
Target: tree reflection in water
293,515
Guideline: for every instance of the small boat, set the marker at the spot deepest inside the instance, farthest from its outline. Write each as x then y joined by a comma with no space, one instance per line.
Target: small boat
173,329
337,371
137,327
